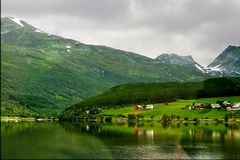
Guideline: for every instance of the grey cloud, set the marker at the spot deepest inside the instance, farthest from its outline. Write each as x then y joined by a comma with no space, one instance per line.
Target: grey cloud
95,9
150,27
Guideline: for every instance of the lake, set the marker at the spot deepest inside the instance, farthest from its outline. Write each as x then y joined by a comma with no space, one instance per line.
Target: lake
50,140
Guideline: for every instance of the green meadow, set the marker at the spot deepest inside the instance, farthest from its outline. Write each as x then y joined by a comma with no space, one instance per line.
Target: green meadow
175,108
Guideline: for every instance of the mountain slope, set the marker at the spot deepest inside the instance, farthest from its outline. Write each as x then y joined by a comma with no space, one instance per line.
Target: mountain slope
46,73
228,62
186,61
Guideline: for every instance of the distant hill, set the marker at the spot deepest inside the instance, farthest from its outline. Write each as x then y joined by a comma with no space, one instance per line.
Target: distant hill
46,73
156,93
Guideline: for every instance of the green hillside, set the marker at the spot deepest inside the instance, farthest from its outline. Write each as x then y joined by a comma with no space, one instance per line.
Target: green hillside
123,95
47,73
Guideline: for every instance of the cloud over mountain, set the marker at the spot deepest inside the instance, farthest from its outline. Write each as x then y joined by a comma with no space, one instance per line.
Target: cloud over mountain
200,28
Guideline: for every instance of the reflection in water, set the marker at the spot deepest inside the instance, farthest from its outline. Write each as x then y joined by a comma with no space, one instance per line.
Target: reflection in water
212,142
118,141
26,140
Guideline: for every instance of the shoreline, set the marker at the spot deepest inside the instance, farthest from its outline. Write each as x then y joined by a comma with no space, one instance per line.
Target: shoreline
120,120
26,119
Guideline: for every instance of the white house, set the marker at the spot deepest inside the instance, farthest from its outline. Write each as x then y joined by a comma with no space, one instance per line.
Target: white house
148,106
215,106
139,107
236,106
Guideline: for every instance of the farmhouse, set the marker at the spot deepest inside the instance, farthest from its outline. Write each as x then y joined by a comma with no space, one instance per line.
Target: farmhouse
202,106
189,107
141,107
148,106
227,104
215,106
234,107
95,111
138,107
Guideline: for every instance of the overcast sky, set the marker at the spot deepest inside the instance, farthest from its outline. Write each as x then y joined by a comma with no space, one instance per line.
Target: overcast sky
201,28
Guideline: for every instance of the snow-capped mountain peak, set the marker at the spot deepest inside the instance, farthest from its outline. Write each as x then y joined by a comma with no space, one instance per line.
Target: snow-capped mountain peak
228,62
9,24
16,20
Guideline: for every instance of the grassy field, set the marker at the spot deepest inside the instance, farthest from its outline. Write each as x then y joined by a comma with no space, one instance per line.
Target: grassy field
175,108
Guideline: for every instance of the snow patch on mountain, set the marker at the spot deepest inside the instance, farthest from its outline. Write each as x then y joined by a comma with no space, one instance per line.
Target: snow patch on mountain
217,68
237,72
39,31
200,68
16,20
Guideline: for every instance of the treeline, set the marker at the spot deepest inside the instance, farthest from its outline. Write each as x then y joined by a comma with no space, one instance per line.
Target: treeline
157,93
142,93
11,108
220,87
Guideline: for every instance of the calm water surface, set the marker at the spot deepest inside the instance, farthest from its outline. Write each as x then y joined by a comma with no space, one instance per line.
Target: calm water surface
39,140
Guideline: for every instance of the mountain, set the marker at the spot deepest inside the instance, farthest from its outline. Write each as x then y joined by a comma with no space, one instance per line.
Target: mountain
186,61
227,63
47,73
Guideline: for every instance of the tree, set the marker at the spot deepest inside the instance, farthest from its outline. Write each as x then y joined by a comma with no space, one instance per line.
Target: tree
178,117
140,116
131,117
226,117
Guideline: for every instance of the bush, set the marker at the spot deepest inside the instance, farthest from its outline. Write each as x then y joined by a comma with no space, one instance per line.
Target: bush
108,119
131,117
165,118
178,117
140,116
173,117
195,119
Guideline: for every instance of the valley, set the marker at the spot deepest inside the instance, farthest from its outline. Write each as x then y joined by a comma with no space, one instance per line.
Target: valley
120,79
42,74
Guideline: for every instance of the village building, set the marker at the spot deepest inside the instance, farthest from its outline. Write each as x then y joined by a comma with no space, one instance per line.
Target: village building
201,106
227,104
234,107
189,107
148,106
141,107
215,106
95,111
138,107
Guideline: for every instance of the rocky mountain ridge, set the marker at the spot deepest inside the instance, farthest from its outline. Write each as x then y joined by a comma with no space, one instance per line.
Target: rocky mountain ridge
226,64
